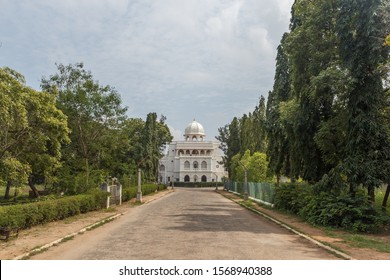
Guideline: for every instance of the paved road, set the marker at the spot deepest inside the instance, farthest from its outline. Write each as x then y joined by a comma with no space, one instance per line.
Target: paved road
188,224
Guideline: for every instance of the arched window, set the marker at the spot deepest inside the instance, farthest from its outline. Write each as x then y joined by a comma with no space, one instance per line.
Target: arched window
188,152
194,139
181,152
204,178
208,152
195,178
196,165
195,152
186,178
202,152
162,167
203,165
187,165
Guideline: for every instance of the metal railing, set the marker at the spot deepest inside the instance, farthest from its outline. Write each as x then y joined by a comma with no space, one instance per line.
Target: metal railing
260,192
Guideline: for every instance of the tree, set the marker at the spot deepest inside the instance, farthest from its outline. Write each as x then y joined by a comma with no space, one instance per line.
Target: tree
255,164
311,52
278,148
155,136
32,130
360,25
93,112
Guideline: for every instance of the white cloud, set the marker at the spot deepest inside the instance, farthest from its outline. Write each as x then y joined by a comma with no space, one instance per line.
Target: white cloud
162,56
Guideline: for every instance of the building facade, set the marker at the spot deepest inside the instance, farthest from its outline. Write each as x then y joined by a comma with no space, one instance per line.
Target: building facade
192,160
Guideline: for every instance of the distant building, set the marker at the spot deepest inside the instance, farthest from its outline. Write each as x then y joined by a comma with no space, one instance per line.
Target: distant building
192,160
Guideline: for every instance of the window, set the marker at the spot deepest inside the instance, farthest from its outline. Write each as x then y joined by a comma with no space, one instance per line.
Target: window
204,178
195,178
203,165
196,165
187,165
162,167
186,178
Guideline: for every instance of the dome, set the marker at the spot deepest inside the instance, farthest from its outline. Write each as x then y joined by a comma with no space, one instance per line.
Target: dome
194,130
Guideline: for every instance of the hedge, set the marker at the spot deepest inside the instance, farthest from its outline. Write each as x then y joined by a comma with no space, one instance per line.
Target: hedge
197,184
131,192
30,214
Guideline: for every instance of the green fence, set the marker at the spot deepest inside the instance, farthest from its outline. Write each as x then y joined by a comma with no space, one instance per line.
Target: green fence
261,192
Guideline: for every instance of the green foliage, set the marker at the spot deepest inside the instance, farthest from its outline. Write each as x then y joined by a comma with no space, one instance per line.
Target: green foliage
292,197
131,192
94,114
31,214
339,210
155,135
196,184
32,130
255,164
343,211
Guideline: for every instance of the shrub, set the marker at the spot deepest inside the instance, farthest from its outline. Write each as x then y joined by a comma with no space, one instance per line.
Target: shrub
292,196
131,192
30,214
343,211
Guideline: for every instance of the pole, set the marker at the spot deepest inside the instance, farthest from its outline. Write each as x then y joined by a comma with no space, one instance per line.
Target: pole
246,185
139,192
245,180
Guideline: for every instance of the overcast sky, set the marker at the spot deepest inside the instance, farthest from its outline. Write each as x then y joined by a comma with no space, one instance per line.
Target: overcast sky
204,59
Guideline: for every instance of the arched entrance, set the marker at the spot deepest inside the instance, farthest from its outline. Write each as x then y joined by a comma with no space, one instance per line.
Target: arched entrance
204,178
186,178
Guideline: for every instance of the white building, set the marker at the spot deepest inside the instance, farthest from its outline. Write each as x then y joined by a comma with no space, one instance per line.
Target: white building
192,160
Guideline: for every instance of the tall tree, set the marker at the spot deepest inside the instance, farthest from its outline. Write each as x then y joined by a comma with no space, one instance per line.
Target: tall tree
361,27
277,131
93,111
155,136
311,51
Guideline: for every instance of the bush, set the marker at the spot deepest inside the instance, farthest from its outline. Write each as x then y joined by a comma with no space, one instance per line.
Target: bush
343,211
30,214
131,192
197,184
292,196
327,208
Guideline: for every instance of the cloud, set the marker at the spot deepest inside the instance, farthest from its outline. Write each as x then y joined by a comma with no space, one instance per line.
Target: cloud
183,59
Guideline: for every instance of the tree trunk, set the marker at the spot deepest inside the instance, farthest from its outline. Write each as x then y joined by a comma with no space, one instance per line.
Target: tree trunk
371,195
32,186
7,190
386,197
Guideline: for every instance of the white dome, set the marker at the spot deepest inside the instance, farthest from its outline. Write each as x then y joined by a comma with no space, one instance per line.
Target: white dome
194,128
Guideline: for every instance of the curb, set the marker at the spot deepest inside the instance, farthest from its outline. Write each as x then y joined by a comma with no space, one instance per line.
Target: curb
58,241
90,227
312,240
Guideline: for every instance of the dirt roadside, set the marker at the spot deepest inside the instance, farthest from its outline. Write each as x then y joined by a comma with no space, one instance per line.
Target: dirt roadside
38,236
320,234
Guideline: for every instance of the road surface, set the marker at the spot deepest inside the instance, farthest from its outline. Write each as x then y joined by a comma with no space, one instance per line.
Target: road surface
188,224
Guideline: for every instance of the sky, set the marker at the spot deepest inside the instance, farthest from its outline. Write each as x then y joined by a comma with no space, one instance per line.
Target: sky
208,60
